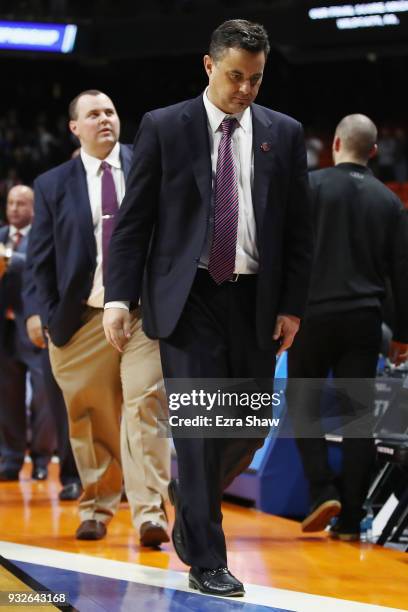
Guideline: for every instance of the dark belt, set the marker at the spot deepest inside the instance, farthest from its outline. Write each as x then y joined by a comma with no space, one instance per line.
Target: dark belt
237,276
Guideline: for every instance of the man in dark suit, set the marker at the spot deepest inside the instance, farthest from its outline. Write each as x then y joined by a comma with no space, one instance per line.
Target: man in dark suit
75,205
17,355
216,220
68,473
361,234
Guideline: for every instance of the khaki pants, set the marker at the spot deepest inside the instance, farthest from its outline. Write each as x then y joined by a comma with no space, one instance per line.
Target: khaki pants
114,403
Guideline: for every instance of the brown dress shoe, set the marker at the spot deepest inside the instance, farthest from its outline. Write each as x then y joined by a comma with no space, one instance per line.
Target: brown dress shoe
91,530
152,534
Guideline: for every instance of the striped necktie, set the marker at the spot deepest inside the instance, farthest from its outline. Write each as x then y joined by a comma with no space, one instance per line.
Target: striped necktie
221,262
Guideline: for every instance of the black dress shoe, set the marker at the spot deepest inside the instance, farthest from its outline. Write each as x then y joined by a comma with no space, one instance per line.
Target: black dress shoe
324,508
176,534
91,530
152,534
70,491
215,582
8,475
39,473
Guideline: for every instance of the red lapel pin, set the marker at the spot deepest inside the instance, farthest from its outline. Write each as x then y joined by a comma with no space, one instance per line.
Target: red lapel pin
265,147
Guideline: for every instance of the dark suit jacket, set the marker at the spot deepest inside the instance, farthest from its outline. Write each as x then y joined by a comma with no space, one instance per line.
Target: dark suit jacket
62,246
11,288
163,220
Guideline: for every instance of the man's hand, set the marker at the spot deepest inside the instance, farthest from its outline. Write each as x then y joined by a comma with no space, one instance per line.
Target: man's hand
3,260
398,352
285,330
35,331
116,323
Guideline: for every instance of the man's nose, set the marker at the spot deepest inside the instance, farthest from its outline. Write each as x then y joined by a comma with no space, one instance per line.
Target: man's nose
245,87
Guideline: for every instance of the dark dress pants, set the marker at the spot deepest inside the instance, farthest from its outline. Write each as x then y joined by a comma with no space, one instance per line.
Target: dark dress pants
214,338
18,358
68,471
347,345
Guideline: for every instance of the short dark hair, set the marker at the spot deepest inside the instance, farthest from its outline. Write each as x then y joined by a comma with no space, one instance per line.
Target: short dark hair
72,108
239,34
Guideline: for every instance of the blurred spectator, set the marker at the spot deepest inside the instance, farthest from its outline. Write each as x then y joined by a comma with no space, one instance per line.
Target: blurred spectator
17,355
26,150
387,152
314,147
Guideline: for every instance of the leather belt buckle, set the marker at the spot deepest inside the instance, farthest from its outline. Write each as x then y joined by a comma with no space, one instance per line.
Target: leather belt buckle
234,277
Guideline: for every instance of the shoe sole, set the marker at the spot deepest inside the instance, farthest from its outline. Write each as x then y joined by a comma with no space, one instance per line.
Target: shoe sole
196,587
154,537
320,518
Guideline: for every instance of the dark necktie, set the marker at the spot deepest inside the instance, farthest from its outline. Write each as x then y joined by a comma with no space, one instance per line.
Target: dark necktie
221,262
109,209
16,239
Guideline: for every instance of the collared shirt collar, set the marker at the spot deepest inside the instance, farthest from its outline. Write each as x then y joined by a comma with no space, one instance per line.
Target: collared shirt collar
23,231
217,116
93,164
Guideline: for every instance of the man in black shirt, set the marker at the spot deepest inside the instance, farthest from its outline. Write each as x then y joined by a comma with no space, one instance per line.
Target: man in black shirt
361,237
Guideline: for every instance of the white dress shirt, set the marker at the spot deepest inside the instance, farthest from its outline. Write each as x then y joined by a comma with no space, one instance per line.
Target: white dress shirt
247,257
94,182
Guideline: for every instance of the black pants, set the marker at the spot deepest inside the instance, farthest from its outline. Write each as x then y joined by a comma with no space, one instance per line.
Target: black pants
215,338
68,472
18,358
346,344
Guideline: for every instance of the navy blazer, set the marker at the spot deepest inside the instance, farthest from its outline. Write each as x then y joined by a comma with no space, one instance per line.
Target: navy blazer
62,246
11,286
162,224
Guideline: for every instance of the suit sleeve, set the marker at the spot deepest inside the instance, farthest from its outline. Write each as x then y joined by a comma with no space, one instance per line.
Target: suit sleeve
136,218
30,302
399,272
298,235
41,254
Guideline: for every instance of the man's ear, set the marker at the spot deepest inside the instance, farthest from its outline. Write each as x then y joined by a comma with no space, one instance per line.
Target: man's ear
373,151
208,64
73,127
337,144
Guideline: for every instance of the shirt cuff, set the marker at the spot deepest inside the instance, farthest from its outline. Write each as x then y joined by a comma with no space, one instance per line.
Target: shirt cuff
124,305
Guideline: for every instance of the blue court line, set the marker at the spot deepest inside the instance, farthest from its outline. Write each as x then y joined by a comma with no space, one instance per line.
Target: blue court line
90,593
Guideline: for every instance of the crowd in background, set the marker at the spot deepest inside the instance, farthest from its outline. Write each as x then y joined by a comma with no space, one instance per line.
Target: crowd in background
28,150
390,164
